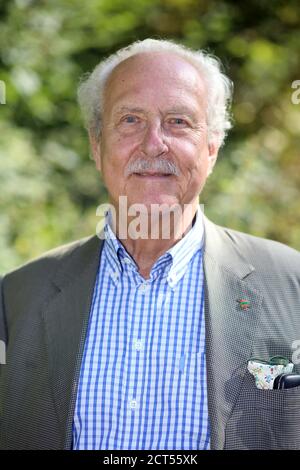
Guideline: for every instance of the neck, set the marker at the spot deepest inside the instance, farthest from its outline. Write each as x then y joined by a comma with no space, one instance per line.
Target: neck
149,236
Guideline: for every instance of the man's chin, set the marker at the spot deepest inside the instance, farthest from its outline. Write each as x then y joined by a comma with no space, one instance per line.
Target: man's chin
153,204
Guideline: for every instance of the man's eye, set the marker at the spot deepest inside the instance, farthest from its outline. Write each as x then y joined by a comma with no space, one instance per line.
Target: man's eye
178,121
129,119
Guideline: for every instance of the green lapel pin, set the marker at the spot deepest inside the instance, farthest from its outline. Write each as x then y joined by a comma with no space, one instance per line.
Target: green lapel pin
244,304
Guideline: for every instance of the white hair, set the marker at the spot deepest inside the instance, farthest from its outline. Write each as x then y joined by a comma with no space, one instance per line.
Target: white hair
219,86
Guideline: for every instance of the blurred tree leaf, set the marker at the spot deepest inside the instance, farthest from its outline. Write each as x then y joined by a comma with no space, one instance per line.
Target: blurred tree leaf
49,186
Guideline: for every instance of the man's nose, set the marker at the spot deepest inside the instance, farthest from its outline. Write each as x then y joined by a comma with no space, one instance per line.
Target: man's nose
154,143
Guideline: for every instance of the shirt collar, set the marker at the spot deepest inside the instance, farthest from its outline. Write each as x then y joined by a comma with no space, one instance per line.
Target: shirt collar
178,256
183,251
114,249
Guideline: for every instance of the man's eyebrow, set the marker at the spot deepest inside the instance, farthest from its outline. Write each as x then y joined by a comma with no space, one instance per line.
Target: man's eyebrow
182,110
174,110
128,109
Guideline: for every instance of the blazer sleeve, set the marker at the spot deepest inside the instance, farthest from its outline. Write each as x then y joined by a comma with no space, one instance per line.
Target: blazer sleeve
3,325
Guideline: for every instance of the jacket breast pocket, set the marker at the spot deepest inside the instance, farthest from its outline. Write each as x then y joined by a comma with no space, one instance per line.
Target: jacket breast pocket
264,419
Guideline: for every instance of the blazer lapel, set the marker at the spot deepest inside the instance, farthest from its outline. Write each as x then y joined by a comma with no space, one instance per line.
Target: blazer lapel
230,330
66,319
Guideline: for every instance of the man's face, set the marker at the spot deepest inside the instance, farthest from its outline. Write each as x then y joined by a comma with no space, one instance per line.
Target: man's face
154,115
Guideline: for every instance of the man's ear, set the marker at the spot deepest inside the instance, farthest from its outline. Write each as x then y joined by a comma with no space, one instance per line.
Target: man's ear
95,148
213,149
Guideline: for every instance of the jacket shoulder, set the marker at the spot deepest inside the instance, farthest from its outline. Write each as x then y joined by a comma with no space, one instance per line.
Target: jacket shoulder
35,274
264,253
50,259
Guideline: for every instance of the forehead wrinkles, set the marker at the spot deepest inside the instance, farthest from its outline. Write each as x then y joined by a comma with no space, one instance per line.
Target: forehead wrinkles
144,73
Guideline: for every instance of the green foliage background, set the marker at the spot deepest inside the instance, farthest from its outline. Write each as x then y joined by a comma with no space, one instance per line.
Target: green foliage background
49,188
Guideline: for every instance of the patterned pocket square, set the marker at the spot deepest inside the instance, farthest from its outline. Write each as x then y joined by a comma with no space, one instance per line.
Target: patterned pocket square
265,371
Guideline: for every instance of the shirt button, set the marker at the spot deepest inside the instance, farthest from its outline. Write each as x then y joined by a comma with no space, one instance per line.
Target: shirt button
132,404
138,344
115,275
144,287
127,261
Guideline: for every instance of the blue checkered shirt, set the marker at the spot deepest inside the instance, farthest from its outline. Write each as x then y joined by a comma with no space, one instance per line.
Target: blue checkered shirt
143,375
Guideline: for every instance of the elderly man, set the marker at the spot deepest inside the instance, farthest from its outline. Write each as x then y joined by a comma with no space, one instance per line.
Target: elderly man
144,342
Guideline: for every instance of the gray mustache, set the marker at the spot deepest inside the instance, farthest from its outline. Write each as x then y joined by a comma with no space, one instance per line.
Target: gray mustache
155,166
